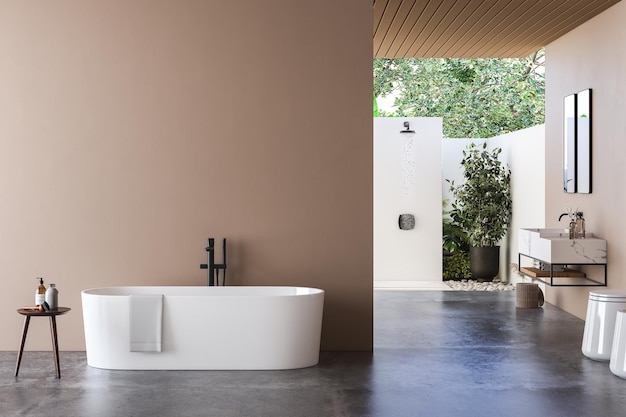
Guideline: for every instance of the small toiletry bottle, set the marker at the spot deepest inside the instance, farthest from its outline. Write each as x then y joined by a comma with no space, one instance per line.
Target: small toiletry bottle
572,230
580,225
40,294
52,297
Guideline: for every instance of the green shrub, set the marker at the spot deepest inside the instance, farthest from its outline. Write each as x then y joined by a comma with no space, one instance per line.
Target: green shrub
456,266
454,237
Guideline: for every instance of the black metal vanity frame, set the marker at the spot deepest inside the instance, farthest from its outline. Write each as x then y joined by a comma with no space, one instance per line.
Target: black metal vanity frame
550,279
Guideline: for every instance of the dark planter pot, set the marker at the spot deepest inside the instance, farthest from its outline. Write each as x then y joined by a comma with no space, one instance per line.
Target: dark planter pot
485,262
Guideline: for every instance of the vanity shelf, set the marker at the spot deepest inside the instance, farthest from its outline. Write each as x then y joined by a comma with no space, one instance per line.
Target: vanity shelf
540,273
561,277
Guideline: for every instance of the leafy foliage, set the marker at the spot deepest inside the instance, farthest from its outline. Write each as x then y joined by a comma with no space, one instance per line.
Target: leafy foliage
483,202
454,238
477,98
457,266
456,259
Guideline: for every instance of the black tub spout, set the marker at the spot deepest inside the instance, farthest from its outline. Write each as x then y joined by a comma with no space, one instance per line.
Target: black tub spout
212,267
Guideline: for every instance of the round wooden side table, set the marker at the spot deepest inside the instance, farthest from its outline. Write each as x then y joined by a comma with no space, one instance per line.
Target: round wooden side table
52,314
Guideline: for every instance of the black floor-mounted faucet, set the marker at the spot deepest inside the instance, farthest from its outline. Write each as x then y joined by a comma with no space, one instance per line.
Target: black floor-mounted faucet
213,275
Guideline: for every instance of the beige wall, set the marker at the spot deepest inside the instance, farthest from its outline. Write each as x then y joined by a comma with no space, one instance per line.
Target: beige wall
591,56
132,131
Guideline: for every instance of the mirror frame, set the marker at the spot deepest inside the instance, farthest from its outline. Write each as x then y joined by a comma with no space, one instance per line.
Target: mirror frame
583,141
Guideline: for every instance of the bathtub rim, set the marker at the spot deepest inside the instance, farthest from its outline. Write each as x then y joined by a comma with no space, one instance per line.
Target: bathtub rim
205,291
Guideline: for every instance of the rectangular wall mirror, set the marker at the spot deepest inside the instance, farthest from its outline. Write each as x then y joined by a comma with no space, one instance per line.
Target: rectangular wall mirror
569,143
577,142
583,141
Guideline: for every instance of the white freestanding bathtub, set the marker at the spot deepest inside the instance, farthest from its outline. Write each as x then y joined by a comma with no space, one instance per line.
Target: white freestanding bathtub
209,328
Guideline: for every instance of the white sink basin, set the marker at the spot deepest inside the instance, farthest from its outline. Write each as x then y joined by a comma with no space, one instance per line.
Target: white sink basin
554,233
555,246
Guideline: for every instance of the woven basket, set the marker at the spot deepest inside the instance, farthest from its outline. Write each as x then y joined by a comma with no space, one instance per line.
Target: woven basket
528,295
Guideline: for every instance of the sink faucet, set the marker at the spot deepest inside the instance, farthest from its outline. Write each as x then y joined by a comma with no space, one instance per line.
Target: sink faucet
572,225
212,267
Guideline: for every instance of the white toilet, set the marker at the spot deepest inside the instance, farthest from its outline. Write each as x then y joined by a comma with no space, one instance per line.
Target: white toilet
600,323
618,350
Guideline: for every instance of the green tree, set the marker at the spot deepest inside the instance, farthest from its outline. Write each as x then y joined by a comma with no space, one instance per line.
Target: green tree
477,98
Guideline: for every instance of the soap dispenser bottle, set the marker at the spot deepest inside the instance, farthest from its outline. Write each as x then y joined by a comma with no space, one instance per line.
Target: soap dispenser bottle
580,225
40,294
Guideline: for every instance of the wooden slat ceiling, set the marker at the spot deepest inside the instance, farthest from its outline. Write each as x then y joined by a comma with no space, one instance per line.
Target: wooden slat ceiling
475,28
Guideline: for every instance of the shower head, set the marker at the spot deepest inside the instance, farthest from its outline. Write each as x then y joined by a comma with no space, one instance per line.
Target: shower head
407,128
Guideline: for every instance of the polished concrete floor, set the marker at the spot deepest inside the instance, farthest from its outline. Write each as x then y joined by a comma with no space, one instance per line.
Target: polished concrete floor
437,353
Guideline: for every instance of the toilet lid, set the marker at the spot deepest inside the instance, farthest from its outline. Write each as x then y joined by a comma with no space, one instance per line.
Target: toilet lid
610,295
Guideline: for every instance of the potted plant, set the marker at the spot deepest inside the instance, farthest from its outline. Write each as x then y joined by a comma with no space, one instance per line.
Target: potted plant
483,207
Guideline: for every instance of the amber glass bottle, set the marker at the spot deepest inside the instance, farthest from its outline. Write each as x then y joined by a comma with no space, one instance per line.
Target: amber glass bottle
40,294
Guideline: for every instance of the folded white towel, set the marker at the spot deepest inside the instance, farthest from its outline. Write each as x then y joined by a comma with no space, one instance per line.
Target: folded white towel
146,314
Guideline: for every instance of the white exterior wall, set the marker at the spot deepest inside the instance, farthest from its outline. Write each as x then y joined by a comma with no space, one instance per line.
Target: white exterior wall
407,179
524,152
412,179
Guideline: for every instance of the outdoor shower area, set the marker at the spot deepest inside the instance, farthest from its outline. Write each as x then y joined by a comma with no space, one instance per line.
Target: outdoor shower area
412,162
